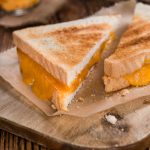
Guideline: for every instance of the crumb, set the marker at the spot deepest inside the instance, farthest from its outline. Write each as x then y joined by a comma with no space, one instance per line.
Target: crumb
122,129
92,95
77,107
124,92
111,119
53,106
76,100
146,101
96,138
80,99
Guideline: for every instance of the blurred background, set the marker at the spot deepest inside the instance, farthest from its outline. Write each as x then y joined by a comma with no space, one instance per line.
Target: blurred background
16,14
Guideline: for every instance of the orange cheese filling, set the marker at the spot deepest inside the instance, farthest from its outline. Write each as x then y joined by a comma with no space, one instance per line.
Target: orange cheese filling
11,5
43,83
139,77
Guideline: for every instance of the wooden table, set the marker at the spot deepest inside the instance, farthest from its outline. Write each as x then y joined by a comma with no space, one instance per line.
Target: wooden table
74,9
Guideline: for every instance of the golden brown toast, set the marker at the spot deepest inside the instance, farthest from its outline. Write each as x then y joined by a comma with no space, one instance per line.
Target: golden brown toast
132,53
63,54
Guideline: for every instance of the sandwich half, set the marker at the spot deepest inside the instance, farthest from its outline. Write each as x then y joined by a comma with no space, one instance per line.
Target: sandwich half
55,59
129,65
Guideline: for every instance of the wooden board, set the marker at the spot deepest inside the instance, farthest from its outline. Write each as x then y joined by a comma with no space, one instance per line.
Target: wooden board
132,130
133,123
10,141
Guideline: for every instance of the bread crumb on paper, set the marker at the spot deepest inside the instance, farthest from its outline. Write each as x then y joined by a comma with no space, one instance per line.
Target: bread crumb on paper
92,95
80,99
124,92
53,107
77,107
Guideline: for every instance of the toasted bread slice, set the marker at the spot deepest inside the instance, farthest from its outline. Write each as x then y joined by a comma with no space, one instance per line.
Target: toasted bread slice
64,49
63,54
133,52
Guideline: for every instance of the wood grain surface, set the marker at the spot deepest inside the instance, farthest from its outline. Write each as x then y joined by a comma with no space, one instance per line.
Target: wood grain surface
33,130
10,141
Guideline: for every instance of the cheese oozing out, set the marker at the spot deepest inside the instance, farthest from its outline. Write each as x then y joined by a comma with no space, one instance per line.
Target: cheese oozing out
11,5
141,76
43,83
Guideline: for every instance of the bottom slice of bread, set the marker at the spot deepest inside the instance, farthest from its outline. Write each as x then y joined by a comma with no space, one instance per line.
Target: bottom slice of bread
114,84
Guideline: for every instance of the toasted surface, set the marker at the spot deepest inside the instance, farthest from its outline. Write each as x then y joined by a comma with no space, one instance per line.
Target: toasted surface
133,49
65,49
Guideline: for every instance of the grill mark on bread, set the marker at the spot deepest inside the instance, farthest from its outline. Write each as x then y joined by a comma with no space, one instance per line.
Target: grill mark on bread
140,41
70,30
132,47
75,52
133,40
135,32
137,24
76,41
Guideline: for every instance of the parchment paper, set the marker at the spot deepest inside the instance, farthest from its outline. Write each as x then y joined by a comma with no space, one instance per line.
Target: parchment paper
91,98
38,15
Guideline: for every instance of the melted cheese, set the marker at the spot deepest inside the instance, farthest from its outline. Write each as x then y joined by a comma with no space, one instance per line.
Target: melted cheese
43,83
140,77
11,5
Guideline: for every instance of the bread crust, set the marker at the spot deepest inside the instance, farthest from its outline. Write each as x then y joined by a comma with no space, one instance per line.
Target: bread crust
114,84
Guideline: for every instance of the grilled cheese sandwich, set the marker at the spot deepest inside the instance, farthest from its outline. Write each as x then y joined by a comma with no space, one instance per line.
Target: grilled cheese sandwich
55,59
130,64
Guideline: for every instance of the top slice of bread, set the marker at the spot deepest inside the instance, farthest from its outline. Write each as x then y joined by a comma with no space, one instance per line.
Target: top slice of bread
64,49
134,46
